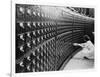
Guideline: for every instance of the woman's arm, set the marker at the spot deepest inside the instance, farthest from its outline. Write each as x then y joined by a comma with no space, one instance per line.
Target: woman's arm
82,44
76,44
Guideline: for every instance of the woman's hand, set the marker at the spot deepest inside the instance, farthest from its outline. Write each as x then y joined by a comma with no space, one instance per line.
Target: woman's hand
75,44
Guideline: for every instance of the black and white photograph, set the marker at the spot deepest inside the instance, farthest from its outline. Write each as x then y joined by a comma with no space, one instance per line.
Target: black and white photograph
50,38
53,38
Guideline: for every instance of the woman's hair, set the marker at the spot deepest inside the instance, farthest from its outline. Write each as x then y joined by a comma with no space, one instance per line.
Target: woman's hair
86,38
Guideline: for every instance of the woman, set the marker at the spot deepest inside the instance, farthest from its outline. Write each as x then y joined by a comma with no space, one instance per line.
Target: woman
87,48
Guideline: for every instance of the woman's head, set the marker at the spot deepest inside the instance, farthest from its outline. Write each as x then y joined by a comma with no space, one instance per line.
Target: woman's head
86,38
